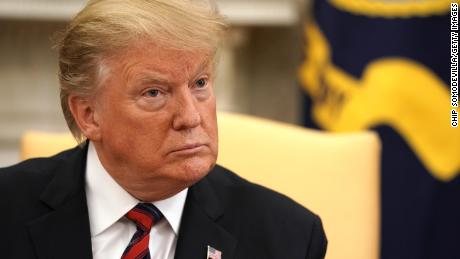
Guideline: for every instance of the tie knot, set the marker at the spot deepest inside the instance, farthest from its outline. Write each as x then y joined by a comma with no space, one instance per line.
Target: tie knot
145,215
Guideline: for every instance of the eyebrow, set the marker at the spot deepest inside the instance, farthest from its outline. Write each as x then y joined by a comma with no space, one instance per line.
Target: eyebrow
156,78
204,65
152,77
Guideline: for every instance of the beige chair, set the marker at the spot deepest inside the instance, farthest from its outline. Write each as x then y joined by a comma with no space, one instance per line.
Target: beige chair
335,175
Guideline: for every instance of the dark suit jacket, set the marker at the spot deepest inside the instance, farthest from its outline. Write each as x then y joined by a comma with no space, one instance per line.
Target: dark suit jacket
44,215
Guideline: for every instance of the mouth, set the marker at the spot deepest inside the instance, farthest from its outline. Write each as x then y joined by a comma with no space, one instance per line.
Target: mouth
188,149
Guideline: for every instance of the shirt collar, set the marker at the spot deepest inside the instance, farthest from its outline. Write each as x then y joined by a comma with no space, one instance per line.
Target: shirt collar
108,201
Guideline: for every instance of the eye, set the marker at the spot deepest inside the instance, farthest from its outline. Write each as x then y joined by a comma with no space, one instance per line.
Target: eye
152,93
202,82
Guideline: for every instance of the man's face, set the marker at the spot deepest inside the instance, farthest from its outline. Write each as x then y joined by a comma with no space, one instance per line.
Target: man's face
156,113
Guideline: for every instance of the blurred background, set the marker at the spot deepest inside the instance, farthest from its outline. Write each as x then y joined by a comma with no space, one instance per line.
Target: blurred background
334,65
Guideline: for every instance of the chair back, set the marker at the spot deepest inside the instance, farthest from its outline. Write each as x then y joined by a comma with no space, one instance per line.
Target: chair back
335,175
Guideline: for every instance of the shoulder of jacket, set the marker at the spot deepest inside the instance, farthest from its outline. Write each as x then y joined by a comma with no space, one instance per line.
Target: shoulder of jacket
31,172
230,186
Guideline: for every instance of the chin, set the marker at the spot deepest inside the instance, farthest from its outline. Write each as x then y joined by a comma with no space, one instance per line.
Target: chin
194,170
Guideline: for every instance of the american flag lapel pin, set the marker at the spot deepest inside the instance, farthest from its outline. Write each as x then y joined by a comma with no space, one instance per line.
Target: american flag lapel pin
213,253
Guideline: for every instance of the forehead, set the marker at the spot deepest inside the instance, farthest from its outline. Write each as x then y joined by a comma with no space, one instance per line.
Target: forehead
146,59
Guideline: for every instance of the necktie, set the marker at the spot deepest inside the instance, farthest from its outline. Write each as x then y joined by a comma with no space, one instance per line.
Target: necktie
144,215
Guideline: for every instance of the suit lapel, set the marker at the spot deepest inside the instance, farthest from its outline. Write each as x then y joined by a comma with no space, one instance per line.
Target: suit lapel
199,226
64,232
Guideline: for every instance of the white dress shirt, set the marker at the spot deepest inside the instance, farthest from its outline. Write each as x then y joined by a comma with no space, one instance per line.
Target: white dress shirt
108,202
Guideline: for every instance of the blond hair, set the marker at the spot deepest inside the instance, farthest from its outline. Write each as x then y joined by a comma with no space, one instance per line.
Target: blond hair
107,27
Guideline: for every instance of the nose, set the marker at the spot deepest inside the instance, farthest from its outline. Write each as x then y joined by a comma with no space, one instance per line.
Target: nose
187,115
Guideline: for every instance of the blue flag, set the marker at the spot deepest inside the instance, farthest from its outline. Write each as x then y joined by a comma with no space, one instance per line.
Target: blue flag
386,66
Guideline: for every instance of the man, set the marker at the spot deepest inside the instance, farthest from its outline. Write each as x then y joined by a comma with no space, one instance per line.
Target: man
137,92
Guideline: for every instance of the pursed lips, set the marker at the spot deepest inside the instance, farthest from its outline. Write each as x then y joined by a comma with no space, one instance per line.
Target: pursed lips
188,148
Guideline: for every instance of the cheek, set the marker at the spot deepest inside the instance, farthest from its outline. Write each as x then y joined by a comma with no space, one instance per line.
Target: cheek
126,126
139,145
210,124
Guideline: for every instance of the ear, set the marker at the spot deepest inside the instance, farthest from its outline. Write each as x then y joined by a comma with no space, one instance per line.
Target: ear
84,114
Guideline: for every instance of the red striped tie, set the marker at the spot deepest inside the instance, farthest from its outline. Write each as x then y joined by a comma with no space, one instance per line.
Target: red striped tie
144,215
